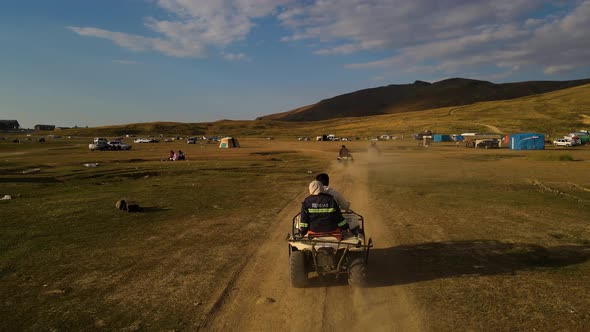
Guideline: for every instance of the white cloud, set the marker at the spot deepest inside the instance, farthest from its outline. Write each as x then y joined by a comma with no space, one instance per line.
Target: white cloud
194,26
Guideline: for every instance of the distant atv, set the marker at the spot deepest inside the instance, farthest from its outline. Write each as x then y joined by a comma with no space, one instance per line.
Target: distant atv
344,154
347,158
329,254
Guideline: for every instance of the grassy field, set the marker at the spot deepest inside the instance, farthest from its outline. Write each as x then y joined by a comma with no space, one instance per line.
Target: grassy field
488,241
70,261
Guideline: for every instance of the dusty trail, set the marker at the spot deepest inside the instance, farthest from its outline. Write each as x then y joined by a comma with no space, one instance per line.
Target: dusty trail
261,298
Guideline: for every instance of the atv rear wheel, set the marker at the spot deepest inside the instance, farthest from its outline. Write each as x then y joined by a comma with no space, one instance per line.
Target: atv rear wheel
298,272
357,273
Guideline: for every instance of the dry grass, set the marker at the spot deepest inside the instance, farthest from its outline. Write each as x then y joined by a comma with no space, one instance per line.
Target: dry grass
489,240
70,261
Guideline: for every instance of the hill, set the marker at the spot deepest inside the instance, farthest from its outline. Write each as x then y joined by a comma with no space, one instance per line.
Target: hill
418,96
550,113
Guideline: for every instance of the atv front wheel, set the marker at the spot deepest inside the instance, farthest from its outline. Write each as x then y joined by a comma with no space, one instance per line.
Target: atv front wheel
298,272
357,273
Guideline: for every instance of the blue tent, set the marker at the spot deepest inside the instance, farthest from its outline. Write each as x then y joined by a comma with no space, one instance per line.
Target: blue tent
441,138
527,141
459,138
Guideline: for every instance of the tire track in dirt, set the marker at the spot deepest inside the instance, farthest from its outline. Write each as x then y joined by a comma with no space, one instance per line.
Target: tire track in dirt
262,298
494,129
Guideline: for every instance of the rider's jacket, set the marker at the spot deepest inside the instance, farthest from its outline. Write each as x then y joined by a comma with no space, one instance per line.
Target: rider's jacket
321,213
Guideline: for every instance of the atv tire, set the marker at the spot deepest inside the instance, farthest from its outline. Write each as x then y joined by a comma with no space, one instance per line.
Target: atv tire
357,273
297,272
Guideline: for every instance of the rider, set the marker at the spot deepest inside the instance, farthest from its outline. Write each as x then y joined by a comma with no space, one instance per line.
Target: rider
325,180
343,152
320,213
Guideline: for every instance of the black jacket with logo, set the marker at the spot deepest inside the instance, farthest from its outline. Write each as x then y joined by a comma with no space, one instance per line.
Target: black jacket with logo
321,213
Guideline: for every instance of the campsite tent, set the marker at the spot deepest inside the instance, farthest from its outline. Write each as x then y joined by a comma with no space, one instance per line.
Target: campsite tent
527,141
441,138
229,142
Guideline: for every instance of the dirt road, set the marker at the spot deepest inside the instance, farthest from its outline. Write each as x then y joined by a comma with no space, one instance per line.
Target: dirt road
261,298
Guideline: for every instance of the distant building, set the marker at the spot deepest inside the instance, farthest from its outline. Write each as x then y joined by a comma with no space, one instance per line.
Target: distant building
44,127
9,125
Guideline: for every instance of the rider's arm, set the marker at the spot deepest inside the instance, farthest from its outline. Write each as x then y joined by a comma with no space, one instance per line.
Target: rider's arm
342,202
340,219
304,221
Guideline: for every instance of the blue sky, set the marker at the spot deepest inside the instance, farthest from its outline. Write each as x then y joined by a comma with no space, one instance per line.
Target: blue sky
87,62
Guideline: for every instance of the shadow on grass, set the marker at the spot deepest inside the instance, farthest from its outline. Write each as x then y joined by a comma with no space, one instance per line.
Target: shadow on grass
437,260
29,180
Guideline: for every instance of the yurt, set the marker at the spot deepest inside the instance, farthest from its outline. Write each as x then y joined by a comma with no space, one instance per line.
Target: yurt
527,141
229,142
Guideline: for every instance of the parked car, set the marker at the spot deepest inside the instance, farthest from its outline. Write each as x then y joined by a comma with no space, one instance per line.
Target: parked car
117,145
487,144
562,142
143,140
191,140
100,145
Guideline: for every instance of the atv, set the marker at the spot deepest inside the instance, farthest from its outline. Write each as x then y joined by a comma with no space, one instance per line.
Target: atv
345,158
329,254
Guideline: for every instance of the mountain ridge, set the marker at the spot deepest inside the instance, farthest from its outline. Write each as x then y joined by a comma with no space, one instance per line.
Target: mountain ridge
417,96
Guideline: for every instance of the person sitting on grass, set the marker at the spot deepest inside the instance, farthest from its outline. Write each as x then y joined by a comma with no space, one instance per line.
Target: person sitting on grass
171,156
181,155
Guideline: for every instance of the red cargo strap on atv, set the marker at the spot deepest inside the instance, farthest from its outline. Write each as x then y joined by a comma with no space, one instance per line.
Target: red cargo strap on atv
336,233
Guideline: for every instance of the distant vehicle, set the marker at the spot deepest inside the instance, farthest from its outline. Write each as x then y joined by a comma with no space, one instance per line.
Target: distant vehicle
487,144
146,140
191,140
100,145
117,145
100,139
562,142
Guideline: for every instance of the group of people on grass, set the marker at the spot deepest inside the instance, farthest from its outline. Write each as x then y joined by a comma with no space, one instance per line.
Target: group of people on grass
176,156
